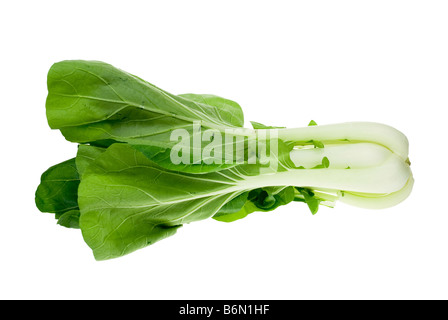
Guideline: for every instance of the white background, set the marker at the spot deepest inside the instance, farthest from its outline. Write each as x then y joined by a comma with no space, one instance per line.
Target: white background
285,62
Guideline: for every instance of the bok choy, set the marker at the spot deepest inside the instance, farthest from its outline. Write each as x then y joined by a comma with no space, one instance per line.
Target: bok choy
149,162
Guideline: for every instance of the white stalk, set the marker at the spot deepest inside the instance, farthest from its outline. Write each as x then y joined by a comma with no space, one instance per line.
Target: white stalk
378,201
341,156
377,133
388,177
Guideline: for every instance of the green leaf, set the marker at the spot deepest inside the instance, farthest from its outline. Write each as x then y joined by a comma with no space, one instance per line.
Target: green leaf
85,156
325,162
84,93
94,102
312,123
309,198
231,107
58,190
128,202
247,209
271,198
317,144
257,125
261,199
233,206
70,219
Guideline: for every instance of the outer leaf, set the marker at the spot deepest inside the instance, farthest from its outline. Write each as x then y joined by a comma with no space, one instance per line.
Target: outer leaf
247,209
85,92
128,202
221,103
70,219
58,190
94,102
233,206
85,156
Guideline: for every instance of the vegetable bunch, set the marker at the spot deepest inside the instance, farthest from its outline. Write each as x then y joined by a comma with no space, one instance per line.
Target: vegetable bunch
149,161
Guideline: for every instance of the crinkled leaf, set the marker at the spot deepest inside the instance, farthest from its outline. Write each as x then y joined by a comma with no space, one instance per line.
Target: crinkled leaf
261,199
